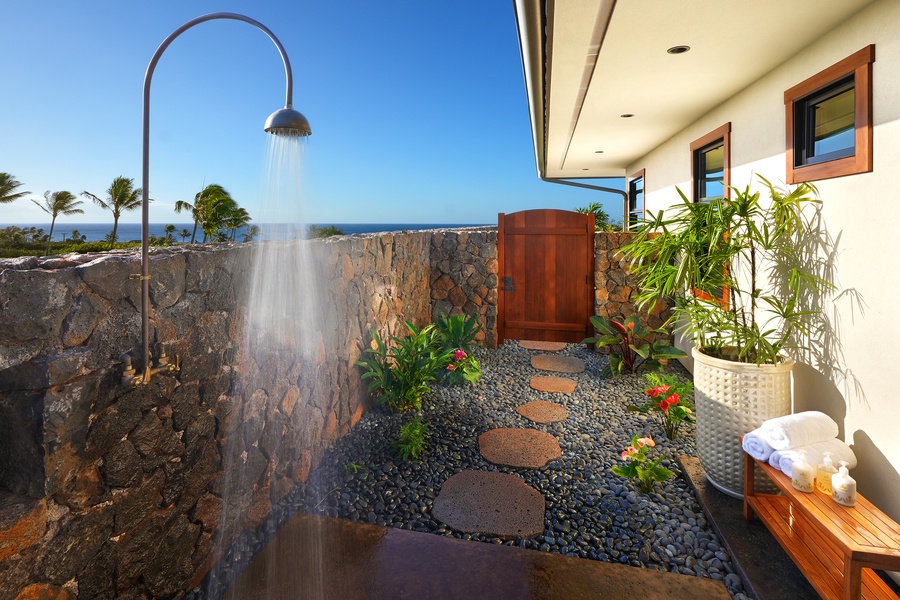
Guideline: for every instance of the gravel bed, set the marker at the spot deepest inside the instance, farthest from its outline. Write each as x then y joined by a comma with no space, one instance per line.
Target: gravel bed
591,513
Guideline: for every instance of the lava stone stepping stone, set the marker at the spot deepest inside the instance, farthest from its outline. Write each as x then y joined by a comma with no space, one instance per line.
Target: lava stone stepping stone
491,503
543,346
541,411
558,364
514,447
557,385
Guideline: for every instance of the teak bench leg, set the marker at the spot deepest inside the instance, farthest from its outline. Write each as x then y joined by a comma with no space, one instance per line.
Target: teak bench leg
852,579
749,478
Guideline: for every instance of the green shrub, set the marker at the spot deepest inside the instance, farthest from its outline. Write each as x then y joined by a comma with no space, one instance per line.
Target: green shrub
631,349
458,331
411,441
400,374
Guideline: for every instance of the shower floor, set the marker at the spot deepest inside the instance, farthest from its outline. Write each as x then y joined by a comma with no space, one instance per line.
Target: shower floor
320,557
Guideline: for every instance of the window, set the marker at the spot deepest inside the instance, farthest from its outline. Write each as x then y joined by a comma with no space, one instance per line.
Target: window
829,121
635,212
711,165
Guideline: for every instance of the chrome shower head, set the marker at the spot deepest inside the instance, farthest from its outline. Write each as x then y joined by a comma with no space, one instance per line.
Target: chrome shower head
287,121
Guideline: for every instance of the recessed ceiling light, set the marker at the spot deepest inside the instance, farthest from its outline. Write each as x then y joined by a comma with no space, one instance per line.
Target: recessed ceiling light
627,115
598,151
678,49
585,169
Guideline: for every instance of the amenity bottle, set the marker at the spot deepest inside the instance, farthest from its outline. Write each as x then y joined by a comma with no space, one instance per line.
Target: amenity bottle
824,473
802,474
843,487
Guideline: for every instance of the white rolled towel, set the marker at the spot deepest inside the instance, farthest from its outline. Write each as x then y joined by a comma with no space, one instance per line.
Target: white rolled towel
814,454
800,429
775,459
756,445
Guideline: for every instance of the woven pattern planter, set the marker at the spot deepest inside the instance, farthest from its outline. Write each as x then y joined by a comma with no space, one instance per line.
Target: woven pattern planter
732,399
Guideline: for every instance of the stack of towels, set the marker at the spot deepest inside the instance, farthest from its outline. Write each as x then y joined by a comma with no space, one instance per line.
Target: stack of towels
781,441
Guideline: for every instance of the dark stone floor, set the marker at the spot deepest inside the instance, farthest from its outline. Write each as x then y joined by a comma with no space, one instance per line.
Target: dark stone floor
319,557
768,572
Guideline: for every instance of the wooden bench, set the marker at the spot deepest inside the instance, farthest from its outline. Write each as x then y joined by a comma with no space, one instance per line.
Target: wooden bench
836,547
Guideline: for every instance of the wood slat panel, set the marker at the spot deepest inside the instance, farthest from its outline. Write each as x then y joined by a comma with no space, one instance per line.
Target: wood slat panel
546,268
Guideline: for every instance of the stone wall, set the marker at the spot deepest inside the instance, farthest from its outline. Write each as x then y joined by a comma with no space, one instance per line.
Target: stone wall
464,277
109,492
614,287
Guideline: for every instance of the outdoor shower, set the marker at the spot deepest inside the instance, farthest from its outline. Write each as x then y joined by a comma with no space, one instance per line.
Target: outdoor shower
285,121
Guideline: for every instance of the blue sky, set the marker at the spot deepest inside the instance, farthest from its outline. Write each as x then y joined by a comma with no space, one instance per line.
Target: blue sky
418,108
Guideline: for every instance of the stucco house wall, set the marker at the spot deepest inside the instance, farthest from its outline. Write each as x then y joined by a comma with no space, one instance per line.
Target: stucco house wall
851,373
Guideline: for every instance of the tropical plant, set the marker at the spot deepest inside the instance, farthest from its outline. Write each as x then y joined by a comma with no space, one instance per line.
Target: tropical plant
643,471
601,217
121,196
668,402
711,258
458,331
462,368
184,233
58,203
252,232
236,218
322,232
631,348
8,187
170,233
400,374
411,440
77,237
210,211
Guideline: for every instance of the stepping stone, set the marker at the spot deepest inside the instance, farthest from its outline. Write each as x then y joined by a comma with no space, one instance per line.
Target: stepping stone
560,385
544,346
541,411
492,503
558,364
513,447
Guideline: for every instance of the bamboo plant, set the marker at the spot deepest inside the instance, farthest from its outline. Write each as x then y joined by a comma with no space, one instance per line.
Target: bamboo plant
732,268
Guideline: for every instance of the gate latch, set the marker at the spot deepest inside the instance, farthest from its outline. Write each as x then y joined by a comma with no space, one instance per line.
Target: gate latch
508,285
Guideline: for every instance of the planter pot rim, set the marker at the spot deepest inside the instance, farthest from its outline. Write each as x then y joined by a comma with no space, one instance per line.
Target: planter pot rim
785,363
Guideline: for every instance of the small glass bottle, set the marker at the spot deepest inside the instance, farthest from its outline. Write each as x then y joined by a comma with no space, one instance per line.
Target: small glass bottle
843,487
802,474
824,473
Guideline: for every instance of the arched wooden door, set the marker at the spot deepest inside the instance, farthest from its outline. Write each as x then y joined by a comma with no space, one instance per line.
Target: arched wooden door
546,267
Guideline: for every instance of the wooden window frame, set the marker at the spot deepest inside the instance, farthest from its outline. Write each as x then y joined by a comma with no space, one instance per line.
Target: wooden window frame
723,133
858,64
639,175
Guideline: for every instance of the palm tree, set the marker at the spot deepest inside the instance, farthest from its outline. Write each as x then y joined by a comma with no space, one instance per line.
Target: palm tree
56,203
184,233
121,196
239,217
8,185
169,229
210,206
251,234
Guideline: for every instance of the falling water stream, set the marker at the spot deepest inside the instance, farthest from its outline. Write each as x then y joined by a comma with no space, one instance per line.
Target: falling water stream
272,418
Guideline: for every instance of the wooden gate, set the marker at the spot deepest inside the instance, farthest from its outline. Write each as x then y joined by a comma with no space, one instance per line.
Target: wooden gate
546,267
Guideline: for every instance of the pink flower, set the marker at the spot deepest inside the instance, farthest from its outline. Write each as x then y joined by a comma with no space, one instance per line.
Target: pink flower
451,367
459,355
625,455
648,441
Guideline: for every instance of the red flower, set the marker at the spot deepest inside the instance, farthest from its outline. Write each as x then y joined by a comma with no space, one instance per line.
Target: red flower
451,367
654,392
459,355
672,400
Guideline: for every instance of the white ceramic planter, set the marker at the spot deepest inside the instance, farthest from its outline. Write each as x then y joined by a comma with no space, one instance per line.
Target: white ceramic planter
732,399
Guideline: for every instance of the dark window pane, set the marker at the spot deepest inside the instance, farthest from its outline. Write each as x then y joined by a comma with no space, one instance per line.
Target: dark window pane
827,124
710,176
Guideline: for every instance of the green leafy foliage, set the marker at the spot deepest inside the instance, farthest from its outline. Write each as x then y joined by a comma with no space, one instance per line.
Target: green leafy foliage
459,331
669,401
711,258
400,374
323,232
412,438
463,368
642,470
601,217
630,347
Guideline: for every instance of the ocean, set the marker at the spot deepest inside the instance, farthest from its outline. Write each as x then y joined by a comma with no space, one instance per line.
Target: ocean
132,231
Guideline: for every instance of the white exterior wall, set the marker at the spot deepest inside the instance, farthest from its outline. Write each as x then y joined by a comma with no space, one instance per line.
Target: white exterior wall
856,383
